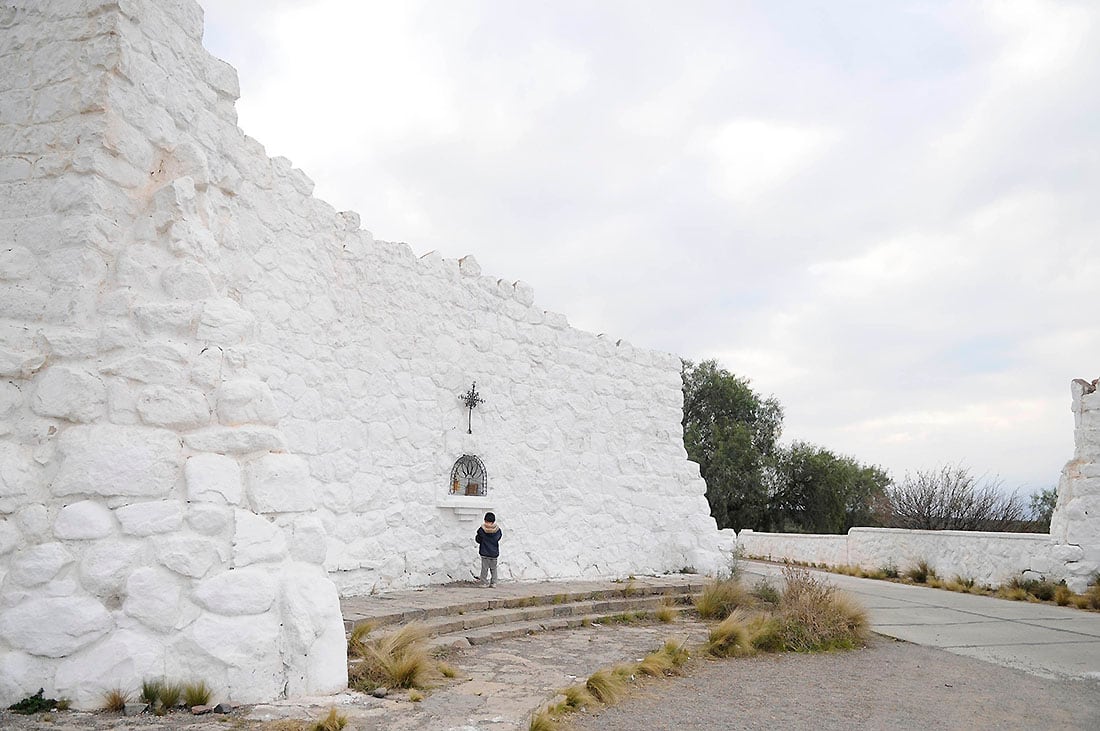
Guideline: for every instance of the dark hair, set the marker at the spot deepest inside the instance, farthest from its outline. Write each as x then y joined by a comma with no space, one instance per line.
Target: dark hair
490,518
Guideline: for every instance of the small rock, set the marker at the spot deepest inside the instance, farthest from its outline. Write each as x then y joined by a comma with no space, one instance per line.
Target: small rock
201,710
223,707
135,709
380,692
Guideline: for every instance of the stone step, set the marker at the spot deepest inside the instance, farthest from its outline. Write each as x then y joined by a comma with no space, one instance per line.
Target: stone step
597,607
496,632
374,611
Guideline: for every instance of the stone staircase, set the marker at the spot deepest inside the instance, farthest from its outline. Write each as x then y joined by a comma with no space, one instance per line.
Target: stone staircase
467,614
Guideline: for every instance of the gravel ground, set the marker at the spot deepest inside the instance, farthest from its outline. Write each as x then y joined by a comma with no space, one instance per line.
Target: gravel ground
888,685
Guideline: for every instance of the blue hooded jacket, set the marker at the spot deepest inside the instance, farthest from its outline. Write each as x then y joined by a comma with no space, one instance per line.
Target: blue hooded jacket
489,542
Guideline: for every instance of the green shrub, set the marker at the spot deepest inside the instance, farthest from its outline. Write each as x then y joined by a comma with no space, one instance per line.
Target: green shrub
34,704
196,694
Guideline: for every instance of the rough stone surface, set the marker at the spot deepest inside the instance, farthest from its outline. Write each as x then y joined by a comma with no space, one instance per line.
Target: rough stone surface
73,623
83,520
237,592
116,460
213,478
70,394
280,483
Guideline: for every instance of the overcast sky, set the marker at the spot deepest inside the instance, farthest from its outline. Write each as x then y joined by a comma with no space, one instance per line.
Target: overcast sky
885,214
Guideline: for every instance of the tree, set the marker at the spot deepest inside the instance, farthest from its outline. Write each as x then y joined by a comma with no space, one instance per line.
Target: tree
732,433
817,491
951,498
1042,508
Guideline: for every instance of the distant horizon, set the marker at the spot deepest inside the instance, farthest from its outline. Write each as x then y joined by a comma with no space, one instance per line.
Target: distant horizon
882,216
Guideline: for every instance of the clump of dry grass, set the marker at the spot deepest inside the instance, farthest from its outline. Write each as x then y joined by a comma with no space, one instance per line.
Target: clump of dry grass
734,635
720,597
920,572
606,686
543,720
666,660
115,700
396,660
334,721
447,670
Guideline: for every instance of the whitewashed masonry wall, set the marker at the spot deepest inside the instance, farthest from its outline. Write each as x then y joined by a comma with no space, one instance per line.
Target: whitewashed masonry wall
221,398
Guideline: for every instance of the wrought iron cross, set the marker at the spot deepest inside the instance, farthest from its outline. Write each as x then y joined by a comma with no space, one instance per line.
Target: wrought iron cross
471,398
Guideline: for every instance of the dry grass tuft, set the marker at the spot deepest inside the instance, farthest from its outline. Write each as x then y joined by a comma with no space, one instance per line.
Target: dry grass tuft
447,670
813,617
578,697
606,686
397,660
334,721
921,572
115,700
720,597
733,636
542,720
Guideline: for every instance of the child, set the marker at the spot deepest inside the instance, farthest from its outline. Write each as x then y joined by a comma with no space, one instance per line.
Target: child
488,538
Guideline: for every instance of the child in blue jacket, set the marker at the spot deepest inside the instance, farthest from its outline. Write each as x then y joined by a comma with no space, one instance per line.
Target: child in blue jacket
488,539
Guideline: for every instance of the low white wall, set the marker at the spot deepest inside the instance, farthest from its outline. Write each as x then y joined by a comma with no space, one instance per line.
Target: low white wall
987,558
806,547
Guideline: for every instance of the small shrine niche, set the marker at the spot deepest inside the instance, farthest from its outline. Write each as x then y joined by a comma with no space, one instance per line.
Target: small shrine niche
468,477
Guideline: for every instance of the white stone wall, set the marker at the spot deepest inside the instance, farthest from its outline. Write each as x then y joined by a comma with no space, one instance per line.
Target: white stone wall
806,547
221,398
1075,527
989,558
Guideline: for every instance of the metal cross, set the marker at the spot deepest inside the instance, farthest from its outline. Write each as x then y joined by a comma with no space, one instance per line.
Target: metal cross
471,398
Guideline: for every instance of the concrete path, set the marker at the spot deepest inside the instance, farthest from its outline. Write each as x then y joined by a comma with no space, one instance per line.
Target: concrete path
1044,640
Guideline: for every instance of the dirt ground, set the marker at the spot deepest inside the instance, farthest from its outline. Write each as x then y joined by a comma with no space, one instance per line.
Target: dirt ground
887,685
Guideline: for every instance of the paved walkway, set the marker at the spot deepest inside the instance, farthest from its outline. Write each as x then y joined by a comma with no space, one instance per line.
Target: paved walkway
1044,640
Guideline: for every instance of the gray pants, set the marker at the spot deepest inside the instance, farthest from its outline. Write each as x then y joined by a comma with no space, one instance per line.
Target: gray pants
489,565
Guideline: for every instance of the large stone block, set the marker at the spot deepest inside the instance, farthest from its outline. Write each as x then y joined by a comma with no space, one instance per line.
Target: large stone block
192,556
83,520
256,540
213,478
224,322
235,440
246,646
39,564
280,483
105,565
73,623
67,393
244,401
237,592
150,518
117,460
314,632
176,407
153,598
18,472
